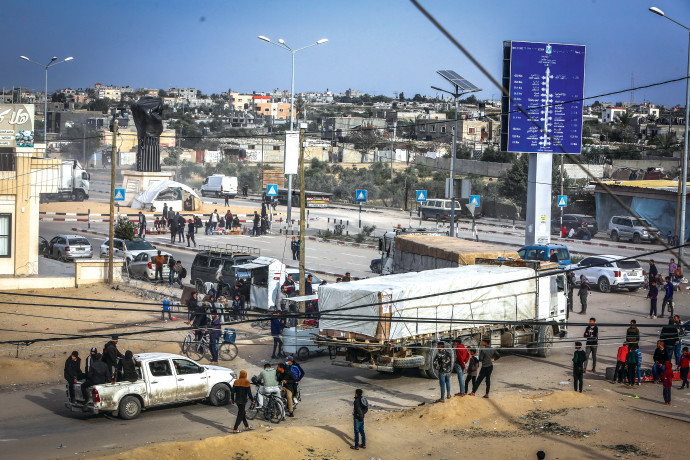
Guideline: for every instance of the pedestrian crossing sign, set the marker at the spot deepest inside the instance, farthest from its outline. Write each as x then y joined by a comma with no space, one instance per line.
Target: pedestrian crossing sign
474,200
119,194
562,201
271,190
361,196
421,195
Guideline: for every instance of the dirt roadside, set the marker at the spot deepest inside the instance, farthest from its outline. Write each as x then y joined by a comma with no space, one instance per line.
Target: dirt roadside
563,424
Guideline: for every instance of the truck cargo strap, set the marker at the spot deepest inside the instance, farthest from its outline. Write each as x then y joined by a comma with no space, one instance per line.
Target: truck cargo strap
373,367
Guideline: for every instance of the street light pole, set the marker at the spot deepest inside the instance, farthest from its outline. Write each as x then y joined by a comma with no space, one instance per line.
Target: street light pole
45,102
281,44
684,163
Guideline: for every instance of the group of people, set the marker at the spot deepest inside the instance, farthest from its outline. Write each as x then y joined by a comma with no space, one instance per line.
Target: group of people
477,364
228,221
107,367
261,223
176,272
579,233
656,280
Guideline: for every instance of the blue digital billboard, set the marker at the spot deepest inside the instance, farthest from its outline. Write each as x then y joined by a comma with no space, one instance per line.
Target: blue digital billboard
548,81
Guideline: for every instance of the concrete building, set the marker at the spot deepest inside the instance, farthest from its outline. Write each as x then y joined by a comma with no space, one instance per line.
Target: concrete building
276,110
240,102
185,93
472,131
341,127
109,93
611,114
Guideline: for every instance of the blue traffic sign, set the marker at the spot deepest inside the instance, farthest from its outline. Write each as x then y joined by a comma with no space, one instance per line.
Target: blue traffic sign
272,190
421,195
119,194
474,200
361,196
562,201
548,81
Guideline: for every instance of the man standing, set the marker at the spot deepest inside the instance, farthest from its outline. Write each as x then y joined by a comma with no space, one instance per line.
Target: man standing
142,225
668,298
361,406
277,326
165,211
443,364
571,289
180,227
619,372
583,293
293,248
632,335
90,359
632,363
72,372
579,361
672,268
159,260
214,219
227,199
190,232
487,356
653,271
652,296
462,356
111,354
173,228
256,230
592,336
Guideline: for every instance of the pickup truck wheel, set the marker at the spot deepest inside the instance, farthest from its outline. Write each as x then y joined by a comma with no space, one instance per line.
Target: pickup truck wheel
130,408
220,395
614,236
407,363
636,238
604,285
545,340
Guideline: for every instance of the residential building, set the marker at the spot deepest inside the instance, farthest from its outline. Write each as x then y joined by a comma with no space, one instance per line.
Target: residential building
185,93
276,110
114,94
611,114
240,102
341,127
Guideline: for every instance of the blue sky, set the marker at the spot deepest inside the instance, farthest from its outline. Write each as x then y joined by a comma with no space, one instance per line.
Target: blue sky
376,46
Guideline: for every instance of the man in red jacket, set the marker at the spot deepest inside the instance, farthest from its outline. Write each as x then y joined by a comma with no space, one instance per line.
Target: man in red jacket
619,373
462,356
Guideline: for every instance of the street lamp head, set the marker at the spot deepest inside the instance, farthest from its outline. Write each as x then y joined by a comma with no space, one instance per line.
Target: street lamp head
322,41
281,41
53,59
266,39
25,58
69,59
656,10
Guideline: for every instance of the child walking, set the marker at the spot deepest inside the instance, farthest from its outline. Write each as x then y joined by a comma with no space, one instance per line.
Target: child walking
667,380
472,369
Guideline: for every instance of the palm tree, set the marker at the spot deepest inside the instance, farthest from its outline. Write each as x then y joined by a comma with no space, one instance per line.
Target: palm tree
301,108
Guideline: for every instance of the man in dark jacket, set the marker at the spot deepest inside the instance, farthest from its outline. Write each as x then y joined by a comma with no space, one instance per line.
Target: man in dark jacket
579,360
277,326
200,321
98,375
111,354
72,372
358,412
668,298
653,271
90,359
487,356
180,227
142,225
592,336
165,211
287,378
443,363
632,335
571,289
289,286
191,229
660,358
257,225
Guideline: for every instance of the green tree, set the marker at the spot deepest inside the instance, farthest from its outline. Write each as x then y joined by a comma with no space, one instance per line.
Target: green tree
418,98
124,228
496,156
162,93
514,182
300,108
401,96
100,105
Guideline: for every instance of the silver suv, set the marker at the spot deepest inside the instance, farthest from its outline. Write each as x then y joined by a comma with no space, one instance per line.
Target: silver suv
631,228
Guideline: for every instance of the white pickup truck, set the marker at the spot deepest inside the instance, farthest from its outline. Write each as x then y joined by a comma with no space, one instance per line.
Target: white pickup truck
164,378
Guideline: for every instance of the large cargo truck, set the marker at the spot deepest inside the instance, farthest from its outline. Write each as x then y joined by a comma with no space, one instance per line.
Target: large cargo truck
405,250
73,183
391,322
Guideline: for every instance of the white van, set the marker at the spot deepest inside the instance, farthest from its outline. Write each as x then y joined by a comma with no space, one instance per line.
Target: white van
219,185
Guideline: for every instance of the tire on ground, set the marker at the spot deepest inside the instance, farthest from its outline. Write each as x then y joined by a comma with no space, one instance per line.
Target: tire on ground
220,395
407,363
429,356
545,340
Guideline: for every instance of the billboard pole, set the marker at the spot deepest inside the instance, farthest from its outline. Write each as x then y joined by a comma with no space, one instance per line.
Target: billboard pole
111,230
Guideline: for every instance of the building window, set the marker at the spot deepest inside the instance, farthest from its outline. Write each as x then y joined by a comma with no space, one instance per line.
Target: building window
432,129
252,147
7,161
276,147
5,235
443,129
471,130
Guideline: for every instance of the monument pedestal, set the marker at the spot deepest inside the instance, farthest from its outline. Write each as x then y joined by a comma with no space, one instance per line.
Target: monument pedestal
135,181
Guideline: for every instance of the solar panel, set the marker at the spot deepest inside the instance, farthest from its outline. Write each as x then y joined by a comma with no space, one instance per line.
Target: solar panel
457,80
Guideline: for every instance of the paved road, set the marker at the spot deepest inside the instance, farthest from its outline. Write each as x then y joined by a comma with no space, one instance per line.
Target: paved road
35,423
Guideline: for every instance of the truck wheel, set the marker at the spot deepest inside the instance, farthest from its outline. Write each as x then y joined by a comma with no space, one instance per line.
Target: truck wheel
303,354
80,196
220,395
545,340
431,372
408,363
636,238
604,285
130,408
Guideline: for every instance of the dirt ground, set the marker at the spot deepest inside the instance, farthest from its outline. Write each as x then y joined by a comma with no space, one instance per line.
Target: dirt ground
565,425
104,208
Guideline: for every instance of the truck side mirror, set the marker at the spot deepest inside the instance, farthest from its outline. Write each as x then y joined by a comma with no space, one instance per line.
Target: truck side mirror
380,244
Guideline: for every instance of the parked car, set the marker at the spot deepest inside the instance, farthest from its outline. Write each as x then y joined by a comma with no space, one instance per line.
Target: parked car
126,248
164,379
295,277
69,247
207,261
608,272
542,252
143,267
631,228
219,185
575,221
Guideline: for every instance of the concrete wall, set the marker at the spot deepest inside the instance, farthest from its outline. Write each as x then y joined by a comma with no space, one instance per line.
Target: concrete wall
481,168
92,271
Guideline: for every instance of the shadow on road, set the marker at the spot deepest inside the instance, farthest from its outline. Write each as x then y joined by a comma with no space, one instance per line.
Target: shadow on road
346,439
211,423
54,401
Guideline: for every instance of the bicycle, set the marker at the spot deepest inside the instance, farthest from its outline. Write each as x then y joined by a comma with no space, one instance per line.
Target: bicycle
196,350
273,409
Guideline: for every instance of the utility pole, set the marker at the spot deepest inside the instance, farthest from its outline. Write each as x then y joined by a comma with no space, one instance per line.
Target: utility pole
83,143
302,212
112,203
561,226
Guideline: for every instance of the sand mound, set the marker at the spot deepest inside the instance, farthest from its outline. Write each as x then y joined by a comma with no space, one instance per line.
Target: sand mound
22,371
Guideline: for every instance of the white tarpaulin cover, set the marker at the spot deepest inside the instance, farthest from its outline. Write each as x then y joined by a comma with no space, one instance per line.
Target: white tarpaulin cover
507,302
175,194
